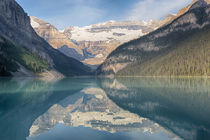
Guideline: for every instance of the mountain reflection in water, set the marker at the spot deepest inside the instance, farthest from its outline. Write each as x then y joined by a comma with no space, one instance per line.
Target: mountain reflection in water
87,108
180,105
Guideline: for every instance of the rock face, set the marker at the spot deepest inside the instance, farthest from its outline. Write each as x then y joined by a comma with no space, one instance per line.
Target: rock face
15,24
15,27
56,39
92,44
187,8
161,42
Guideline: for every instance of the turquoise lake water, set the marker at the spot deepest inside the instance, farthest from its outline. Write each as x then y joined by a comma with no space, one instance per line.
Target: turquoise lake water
101,109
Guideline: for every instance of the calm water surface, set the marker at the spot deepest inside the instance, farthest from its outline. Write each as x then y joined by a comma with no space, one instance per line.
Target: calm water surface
101,109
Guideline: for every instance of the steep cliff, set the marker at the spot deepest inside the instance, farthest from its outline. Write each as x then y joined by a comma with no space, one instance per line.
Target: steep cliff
15,28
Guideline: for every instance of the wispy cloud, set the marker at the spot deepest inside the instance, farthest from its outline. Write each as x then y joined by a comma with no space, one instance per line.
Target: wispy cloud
65,13
155,9
77,15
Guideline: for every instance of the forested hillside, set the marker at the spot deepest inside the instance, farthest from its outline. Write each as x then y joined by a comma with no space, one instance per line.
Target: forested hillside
180,48
13,57
23,51
190,57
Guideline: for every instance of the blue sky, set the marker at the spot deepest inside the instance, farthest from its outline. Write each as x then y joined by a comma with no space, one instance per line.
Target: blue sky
65,13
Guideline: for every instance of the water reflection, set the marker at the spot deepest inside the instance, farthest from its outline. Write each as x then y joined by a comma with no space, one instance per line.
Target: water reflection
123,108
180,105
22,101
91,108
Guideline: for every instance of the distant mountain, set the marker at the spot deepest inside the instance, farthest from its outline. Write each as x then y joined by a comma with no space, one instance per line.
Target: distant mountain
101,39
180,48
112,30
92,44
24,53
56,39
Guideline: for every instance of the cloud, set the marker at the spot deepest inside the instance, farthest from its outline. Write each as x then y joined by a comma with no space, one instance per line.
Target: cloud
155,9
78,15
65,13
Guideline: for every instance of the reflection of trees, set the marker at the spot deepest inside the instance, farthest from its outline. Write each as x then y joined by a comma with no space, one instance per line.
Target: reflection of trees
22,101
181,105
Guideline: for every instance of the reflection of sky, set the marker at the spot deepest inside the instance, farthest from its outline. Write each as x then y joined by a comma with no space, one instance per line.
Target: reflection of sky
64,13
61,132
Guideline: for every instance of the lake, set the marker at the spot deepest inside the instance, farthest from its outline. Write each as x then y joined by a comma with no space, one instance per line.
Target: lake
103,108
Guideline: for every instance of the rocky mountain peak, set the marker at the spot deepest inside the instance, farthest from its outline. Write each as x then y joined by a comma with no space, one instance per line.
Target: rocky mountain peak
199,3
92,44
193,5
13,13
55,38
15,27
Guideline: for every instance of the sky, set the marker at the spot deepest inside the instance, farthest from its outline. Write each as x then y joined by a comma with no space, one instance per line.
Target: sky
65,13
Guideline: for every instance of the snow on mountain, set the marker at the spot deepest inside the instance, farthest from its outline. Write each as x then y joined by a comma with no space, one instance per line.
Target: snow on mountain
92,44
123,35
112,30
34,24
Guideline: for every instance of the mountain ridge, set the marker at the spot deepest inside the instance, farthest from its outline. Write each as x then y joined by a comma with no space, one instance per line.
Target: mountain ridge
16,28
186,9
95,42
160,42
54,37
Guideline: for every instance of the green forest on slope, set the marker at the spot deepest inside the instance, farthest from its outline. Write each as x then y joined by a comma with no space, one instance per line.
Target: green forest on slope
11,55
190,57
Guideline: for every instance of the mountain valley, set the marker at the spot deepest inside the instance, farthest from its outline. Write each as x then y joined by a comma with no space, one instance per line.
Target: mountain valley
92,44
174,46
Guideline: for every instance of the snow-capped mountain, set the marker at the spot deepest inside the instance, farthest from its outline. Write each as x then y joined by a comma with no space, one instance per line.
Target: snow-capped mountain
111,30
92,44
